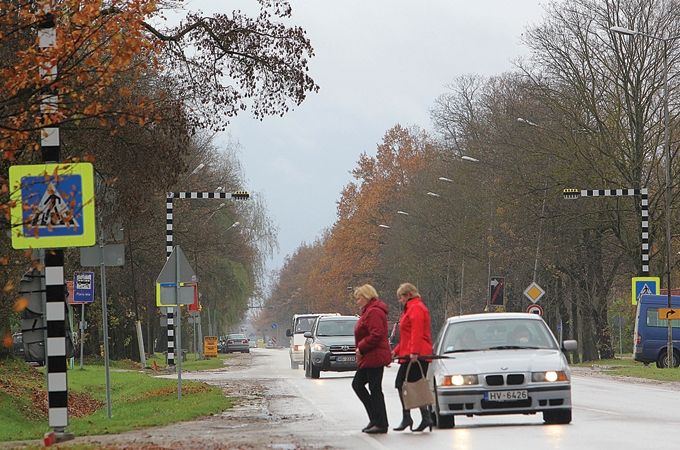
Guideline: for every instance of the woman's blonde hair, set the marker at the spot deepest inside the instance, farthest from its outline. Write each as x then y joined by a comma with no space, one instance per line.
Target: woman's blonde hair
408,290
366,291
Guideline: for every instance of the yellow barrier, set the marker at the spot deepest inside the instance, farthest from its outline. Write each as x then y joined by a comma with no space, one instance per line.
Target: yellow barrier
210,346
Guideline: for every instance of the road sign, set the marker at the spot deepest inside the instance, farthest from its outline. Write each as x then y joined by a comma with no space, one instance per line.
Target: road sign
535,309
166,294
644,285
113,255
669,313
83,289
53,205
497,291
169,272
534,292
210,346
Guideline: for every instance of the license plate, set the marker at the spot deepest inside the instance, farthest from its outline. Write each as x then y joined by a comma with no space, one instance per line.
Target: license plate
505,396
349,358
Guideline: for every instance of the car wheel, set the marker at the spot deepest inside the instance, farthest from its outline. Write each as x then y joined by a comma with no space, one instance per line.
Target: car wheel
557,416
442,421
316,372
661,362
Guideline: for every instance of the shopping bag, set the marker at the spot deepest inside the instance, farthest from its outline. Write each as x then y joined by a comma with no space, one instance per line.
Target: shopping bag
416,394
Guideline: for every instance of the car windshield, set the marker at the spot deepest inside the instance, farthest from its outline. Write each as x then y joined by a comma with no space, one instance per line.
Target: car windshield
336,327
304,324
496,334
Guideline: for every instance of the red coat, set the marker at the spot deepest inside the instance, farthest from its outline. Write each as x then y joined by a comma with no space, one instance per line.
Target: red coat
414,330
370,335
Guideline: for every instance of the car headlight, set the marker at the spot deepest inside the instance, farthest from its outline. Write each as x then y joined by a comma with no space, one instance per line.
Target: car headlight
319,347
459,380
549,376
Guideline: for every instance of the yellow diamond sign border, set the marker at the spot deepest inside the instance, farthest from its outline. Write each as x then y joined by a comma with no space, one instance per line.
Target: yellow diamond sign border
534,292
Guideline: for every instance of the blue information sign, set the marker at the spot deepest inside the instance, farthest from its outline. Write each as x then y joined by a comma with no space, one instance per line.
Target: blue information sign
83,287
644,285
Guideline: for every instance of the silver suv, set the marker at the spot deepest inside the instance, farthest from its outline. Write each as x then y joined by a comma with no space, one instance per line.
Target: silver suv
330,346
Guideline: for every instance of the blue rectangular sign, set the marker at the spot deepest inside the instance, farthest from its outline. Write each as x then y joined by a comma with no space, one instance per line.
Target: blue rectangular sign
83,287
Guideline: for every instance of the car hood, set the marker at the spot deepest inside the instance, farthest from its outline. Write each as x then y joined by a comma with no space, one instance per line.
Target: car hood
335,340
494,361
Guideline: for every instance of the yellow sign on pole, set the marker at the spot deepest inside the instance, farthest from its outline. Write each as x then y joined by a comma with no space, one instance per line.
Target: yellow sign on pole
53,205
669,314
210,346
644,285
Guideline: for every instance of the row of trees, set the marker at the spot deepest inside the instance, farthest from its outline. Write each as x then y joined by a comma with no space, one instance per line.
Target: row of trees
584,111
142,102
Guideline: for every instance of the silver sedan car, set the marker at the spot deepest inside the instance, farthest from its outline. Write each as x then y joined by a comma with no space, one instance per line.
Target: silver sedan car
500,363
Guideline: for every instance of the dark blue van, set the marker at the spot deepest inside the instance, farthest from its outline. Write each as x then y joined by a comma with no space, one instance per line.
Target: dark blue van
650,340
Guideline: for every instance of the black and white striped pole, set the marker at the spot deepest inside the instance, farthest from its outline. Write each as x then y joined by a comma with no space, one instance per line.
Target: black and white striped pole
238,195
571,194
55,298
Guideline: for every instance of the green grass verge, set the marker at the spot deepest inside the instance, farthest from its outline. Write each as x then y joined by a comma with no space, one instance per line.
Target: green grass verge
138,401
627,367
191,363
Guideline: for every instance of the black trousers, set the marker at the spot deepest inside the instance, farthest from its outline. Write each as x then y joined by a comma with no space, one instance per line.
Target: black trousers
374,401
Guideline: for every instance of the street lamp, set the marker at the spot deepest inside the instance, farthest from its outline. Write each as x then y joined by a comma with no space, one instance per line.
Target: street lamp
197,169
469,158
233,225
667,147
433,194
447,180
526,121
403,213
382,225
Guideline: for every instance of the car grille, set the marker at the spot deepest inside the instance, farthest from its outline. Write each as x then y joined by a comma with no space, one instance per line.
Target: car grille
343,348
503,405
498,380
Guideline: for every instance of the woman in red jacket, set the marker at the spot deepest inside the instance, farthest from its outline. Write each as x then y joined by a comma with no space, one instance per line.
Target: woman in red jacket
414,341
373,354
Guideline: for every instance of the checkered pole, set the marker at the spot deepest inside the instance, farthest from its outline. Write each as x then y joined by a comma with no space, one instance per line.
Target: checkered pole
644,212
55,309
238,195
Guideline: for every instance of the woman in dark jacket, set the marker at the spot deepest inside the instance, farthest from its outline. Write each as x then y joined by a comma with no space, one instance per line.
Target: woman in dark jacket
373,354
414,341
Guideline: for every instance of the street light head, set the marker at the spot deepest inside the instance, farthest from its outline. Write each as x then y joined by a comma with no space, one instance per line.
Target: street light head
197,169
622,30
382,225
469,158
526,122
448,180
433,194
403,213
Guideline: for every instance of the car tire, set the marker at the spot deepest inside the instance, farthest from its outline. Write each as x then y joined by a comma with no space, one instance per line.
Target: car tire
315,371
661,361
443,422
557,416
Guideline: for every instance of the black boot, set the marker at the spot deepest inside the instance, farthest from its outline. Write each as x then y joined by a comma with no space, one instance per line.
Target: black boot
406,421
427,420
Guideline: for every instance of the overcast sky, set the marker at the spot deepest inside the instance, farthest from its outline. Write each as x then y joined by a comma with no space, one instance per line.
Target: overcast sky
378,63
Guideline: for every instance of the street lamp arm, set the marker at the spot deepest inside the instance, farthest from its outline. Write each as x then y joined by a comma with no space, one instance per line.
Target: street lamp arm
629,32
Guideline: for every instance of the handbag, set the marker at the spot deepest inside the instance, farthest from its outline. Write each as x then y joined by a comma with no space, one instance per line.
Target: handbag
416,394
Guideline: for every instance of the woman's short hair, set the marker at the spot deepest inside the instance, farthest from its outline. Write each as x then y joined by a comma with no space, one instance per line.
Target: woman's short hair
366,291
408,290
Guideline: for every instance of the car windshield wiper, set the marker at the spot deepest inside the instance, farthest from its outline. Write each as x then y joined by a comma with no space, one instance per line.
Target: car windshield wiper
461,350
512,347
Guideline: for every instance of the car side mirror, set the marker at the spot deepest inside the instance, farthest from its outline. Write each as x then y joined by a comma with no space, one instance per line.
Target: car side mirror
289,332
308,334
570,345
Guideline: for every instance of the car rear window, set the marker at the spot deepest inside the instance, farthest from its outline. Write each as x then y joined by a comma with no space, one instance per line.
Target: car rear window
336,327
236,336
304,324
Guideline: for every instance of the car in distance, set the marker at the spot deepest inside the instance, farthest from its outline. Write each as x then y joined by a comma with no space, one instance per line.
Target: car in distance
500,363
236,343
330,346
301,324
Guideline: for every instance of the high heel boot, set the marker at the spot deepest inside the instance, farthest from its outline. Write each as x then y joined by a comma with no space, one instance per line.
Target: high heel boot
406,421
427,420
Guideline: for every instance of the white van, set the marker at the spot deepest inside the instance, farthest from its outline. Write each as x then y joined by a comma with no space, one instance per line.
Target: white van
300,325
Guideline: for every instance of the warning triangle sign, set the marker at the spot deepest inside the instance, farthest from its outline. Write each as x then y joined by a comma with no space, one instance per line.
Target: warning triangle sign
644,291
53,210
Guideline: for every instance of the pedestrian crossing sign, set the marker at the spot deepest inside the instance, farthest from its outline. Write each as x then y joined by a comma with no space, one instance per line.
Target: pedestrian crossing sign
644,285
52,205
